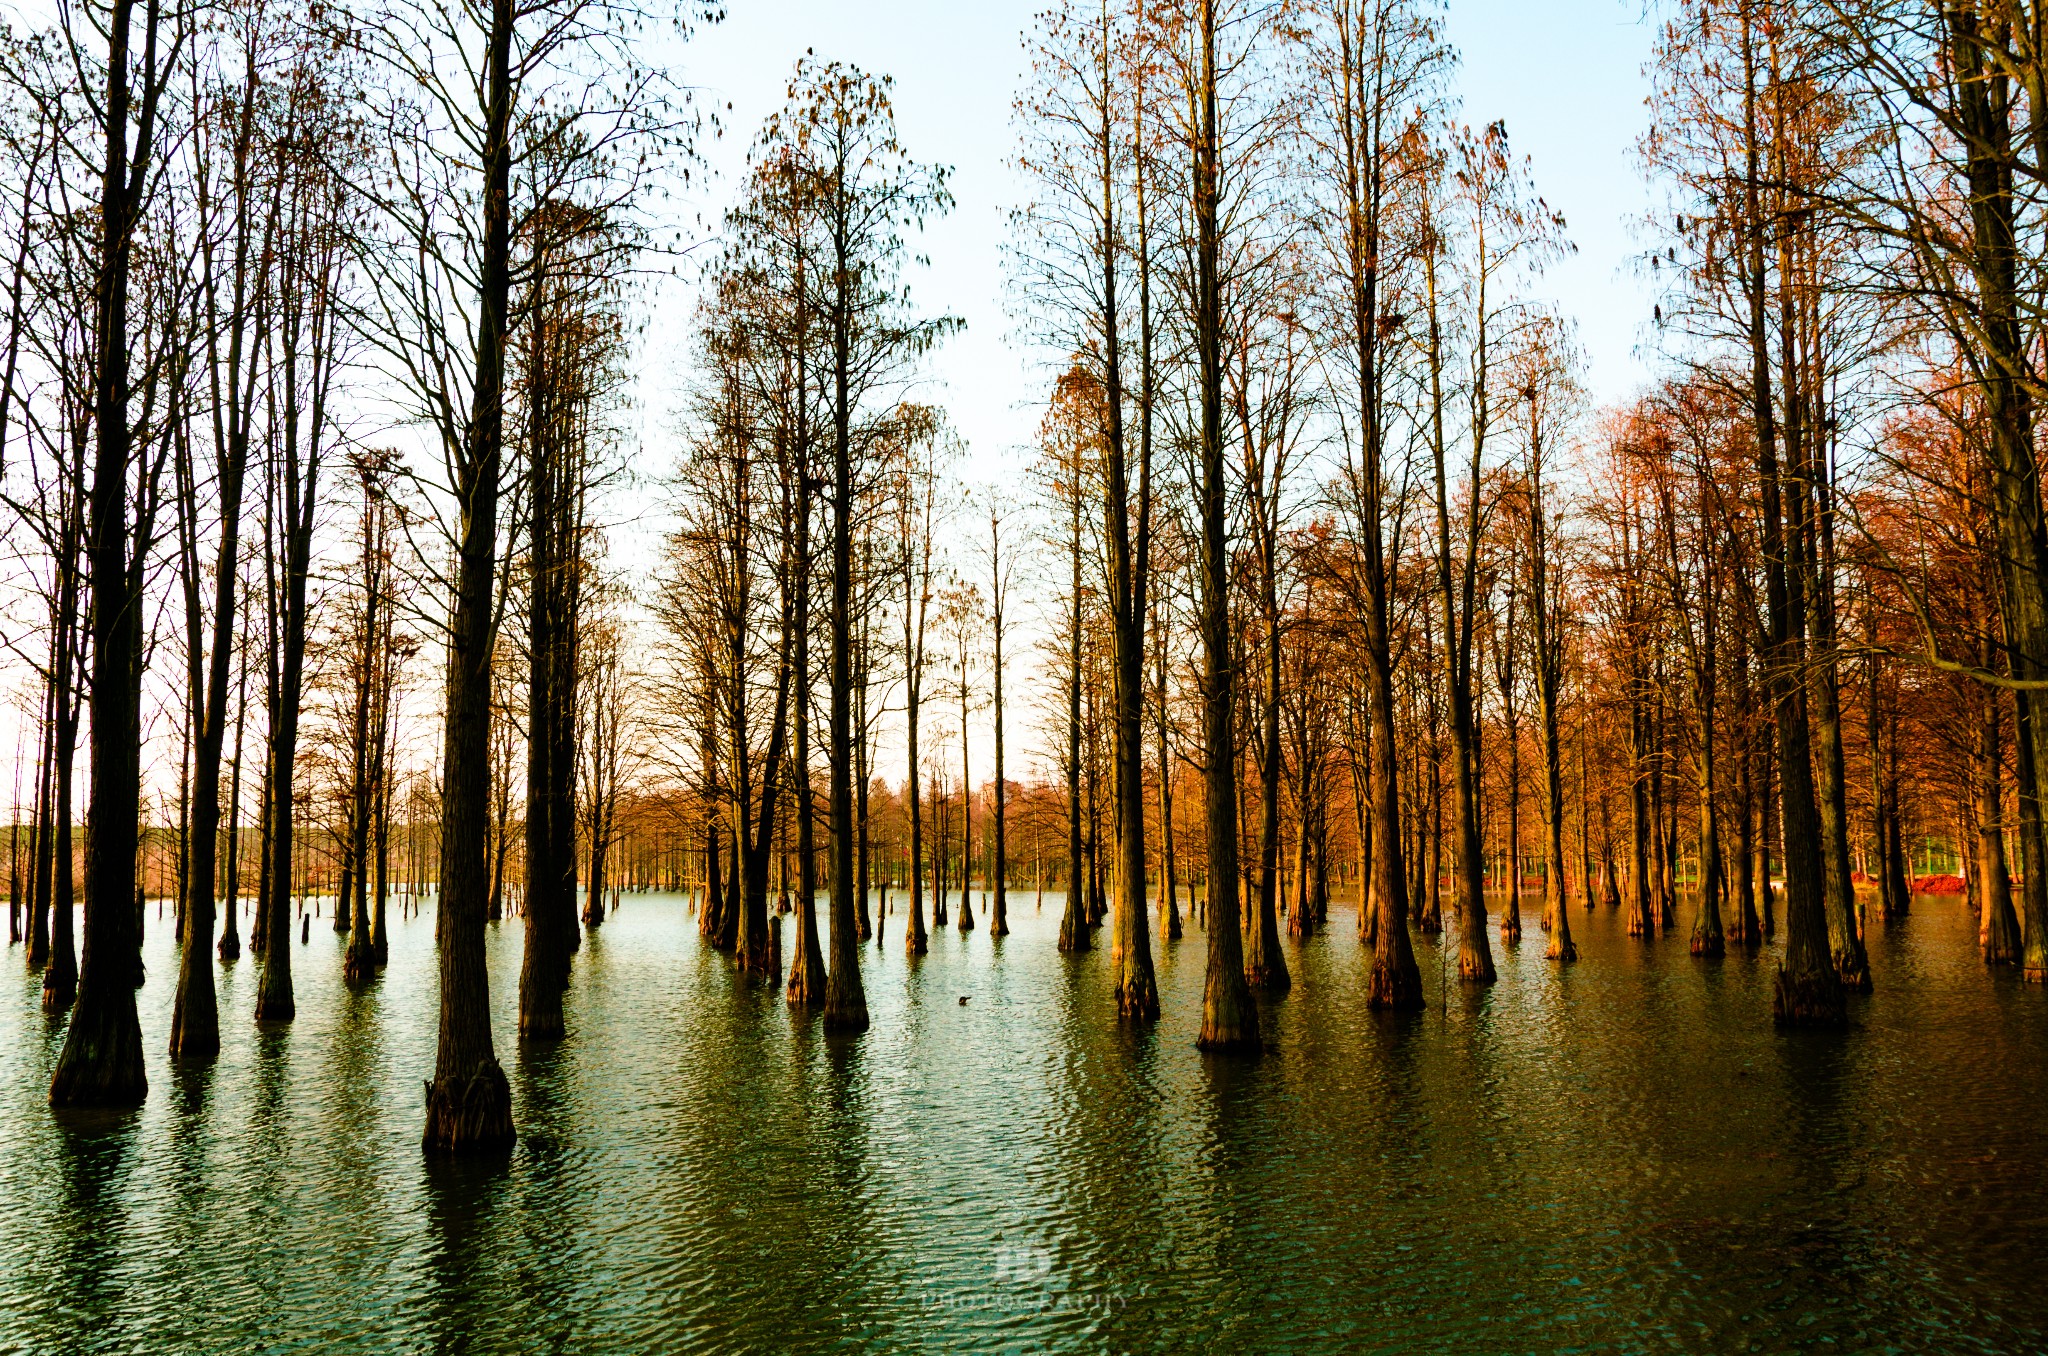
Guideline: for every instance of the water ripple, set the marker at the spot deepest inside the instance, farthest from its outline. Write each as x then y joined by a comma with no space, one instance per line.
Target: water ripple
1614,1156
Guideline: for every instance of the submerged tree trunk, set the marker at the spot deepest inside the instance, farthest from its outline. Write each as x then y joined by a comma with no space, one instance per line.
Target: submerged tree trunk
1511,731
1746,931
1265,964
1169,867
1998,925
1074,934
43,841
231,882
966,923
999,863
1455,587
1547,613
1767,828
1511,911
863,925
807,973
807,970
915,942
1982,81
846,1004
52,946
380,932
195,1015
469,1103
1229,1019
554,583
298,467
1641,903
1845,937
1891,884
60,969
371,663
101,1063
1475,953
1808,990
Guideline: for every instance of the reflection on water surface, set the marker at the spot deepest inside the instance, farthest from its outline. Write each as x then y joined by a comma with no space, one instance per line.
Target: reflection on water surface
1614,1156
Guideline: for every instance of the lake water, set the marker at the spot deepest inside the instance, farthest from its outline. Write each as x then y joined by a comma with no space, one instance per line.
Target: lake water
1619,1155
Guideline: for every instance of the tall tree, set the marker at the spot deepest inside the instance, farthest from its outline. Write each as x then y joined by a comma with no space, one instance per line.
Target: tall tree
1547,391
1001,575
101,1062
1376,66
869,193
235,304
1230,1021
1088,159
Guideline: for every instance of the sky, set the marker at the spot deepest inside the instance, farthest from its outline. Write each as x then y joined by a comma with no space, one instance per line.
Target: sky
1565,75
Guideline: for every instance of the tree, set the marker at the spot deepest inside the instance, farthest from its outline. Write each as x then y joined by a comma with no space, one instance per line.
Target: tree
314,248
1547,391
869,192
1375,67
1088,154
1001,575
916,507
1726,124
236,304
550,88
960,612
101,1063
1230,1021
1070,424
372,648
569,372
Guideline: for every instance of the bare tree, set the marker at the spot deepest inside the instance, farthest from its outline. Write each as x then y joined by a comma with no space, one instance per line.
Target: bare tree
101,1063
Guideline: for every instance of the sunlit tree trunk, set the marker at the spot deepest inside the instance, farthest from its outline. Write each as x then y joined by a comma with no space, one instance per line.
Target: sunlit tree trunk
1998,925
1229,1019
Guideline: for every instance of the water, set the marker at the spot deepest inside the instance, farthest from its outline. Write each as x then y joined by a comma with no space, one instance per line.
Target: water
1614,1156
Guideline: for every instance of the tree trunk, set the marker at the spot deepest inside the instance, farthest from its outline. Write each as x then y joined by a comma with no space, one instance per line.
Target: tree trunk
966,803
231,883
101,1063
1998,925
1265,965
1641,920
1747,931
553,567
846,1004
1984,98
999,863
43,844
1229,1019
1074,934
1549,656
469,1103
1511,915
863,926
1845,935
1808,990
806,986
60,972
915,942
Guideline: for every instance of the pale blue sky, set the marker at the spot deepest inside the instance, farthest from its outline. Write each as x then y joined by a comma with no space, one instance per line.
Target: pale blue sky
1565,74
